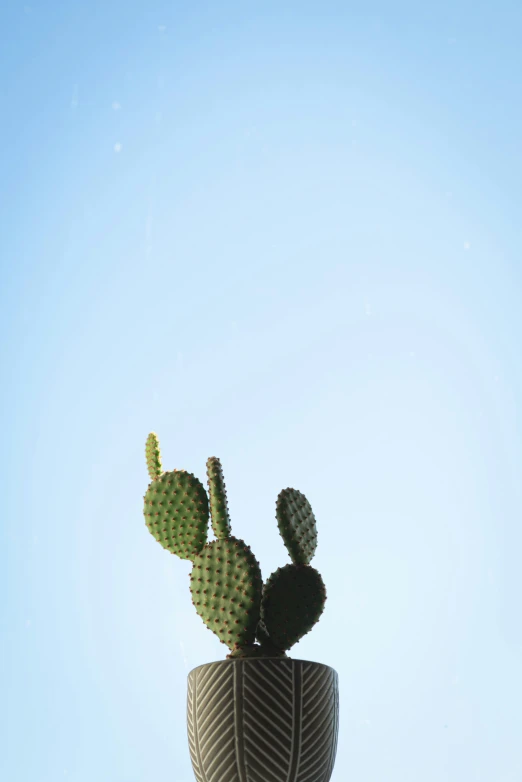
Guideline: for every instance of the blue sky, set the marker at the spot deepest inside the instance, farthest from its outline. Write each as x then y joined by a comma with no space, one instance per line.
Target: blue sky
287,235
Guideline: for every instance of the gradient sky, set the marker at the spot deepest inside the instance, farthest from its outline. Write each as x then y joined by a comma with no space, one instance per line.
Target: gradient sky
287,235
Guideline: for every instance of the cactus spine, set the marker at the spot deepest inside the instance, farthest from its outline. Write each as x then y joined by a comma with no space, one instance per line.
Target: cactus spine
225,582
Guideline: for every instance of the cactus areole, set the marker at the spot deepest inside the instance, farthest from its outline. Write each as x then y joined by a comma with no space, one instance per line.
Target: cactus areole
258,715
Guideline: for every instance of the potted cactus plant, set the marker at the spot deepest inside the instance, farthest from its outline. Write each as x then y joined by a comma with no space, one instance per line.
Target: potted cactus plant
258,715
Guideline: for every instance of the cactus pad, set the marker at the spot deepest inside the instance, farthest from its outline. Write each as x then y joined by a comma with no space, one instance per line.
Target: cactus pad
226,588
218,498
296,522
176,513
152,453
293,600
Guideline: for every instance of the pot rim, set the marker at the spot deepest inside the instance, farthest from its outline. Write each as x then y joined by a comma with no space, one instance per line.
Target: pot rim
261,659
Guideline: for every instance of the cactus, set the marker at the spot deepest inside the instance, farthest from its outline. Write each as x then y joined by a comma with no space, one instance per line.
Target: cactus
293,600
152,452
296,522
218,498
176,512
225,582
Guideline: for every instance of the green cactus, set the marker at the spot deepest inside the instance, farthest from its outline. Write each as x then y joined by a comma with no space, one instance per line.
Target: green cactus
226,588
294,596
152,452
296,522
225,582
293,600
176,513
218,498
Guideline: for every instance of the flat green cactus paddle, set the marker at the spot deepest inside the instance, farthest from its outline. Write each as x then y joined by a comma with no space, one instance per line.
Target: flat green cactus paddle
176,512
293,600
294,596
296,522
152,453
226,587
225,582
218,498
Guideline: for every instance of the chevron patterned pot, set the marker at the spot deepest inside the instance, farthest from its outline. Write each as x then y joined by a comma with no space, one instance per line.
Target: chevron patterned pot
263,720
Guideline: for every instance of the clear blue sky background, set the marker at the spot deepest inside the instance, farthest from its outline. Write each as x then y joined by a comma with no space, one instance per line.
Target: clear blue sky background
287,235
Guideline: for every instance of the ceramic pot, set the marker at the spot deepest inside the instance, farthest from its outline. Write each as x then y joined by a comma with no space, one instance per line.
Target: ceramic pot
263,720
